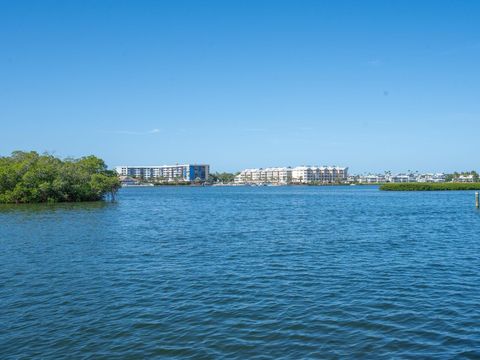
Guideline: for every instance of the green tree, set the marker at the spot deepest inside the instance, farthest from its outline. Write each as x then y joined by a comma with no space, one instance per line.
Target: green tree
27,177
222,177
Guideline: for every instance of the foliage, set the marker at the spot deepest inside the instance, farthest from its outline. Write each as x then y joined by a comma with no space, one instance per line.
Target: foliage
430,186
27,177
222,177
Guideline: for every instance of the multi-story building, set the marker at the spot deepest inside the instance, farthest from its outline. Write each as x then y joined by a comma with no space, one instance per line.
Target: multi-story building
188,172
303,174
268,175
465,178
431,178
398,178
372,179
297,175
402,178
323,174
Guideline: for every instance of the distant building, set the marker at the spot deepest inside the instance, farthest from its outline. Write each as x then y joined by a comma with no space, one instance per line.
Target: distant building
323,174
280,175
402,178
188,172
128,181
296,175
465,178
431,178
399,178
372,179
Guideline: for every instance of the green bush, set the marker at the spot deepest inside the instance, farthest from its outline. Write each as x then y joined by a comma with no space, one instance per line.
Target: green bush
430,186
27,177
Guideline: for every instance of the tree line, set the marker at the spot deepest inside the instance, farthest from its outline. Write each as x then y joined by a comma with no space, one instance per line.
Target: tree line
223,177
429,186
27,177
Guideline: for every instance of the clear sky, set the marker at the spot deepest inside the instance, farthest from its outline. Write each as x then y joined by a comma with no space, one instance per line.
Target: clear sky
373,85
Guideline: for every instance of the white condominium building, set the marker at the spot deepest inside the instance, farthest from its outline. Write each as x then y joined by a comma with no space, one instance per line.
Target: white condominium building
269,175
431,178
372,179
323,174
402,178
188,172
297,175
398,178
465,178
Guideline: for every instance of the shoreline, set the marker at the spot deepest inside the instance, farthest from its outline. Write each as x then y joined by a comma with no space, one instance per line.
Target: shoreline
430,187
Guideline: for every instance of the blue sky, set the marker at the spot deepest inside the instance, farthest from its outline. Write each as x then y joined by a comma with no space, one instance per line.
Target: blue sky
373,85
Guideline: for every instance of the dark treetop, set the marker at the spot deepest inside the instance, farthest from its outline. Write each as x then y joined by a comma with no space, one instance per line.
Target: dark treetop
27,177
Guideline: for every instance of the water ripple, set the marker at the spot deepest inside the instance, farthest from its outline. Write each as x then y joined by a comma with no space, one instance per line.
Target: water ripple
261,273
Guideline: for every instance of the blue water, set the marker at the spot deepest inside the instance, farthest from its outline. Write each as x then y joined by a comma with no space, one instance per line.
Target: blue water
240,272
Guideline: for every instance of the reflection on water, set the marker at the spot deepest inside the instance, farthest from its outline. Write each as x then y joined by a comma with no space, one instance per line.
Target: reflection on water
47,207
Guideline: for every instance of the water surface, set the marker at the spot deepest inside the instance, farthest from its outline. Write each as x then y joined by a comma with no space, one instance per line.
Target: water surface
240,272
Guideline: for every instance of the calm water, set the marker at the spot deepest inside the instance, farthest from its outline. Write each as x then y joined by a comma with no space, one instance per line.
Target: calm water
273,272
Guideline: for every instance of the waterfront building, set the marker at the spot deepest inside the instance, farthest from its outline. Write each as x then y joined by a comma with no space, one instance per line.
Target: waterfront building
322,174
302,174
353,178
465,178
400,178
372,179
269,175
187,172
128,181
296,175
431,178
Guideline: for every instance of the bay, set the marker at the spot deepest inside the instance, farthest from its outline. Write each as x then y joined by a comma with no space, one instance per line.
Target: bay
243,272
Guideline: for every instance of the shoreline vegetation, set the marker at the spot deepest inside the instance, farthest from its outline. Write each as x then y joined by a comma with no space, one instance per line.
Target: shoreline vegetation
27,177
430,186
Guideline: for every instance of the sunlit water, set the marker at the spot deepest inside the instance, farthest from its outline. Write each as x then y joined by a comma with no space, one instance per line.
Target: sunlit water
239,272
